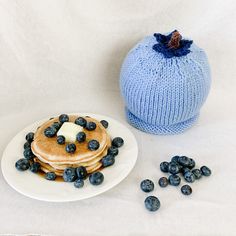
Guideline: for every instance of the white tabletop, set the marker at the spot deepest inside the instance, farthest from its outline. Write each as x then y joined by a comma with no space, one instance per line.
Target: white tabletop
65,56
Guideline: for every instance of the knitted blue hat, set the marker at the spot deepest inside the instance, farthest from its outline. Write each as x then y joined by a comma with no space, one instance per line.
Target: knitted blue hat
164,81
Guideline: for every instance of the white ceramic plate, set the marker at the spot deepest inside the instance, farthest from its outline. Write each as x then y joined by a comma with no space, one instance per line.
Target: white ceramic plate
35,186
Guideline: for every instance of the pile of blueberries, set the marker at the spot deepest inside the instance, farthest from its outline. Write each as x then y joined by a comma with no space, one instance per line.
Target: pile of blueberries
178,165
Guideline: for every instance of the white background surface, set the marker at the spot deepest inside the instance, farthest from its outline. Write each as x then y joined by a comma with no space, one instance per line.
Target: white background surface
64,56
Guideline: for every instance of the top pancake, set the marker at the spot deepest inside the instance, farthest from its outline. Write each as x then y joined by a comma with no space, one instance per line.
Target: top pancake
48,150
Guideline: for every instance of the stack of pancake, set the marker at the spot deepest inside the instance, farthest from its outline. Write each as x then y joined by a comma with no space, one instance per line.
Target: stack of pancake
54,158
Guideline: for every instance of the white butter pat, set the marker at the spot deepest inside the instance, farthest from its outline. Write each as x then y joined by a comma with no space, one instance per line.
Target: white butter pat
69,130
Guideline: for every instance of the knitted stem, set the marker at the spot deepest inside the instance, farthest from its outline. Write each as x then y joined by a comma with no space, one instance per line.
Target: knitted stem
175,40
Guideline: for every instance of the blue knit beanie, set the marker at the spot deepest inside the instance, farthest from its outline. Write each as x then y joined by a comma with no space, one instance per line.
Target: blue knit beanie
164,81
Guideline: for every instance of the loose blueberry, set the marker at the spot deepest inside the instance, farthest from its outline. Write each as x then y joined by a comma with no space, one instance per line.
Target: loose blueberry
81,137
175,159
93,145
50,176
174,180
108,160
79,183
81,172
27,145
191,163
104,123
81,121
22,164
91,126
186,189
152,203
114,151
205,171
197,173
70,148
50,132
147,185
184,170
117,142
35,167
173,168
69,174
164,166
96,178
28,154
56,125
184,161
63,118
29,137
61,139
163,182
189,176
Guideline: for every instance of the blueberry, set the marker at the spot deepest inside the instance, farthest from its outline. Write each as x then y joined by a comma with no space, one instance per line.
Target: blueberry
81,172
186,189
96,178
205,171
117,142
164,166
197,173
27,145
114,151
63,118
93,145
91,126
108,160
56,125
152,203
35,167
61,139
69,174
29,137
81,121
173,168
184,170
70,148
28,154
50,176
175,159
81,137
104,123
191,163
189,177
174,180
184,161
79,183
50,132
163,182
147,185
22,164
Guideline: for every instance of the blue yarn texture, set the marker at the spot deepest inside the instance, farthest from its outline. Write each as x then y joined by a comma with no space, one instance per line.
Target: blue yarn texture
163,95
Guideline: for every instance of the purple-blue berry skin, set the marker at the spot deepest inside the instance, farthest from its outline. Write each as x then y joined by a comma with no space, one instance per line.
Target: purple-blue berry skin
29,137
56,125
104,123
50,176
61,139
197,173
50,132
69,174
93,145
189,177
70,148
81,121
35,167
184,170
79,183
108,160
114,151
173,168
175,159
63,118
118,142
164,166
191,163
28,154
152,203
96,178
147,185
184,161
205,171
22,164
174,180
27,145
91,126
81,137
163,182
81,172
186,189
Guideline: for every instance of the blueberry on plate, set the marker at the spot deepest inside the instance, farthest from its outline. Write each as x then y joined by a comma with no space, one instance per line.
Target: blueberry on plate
164,166
108,160
184,161
50,176
152,203
174,180
197,173
35,167
163,182
173,168
69,174
56,125
91,126
70,148
96,178
81,137
61,139
27,145
118,142
50,132
104,123
147,185
93,145
175,159
81,172
79,183
186,189
114,151
81,121
22,164
184,170
28,154
205,171
189,177
29,137
63,118
191,163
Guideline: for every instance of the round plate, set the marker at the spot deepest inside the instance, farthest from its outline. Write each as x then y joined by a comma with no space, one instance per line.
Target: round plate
35,186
